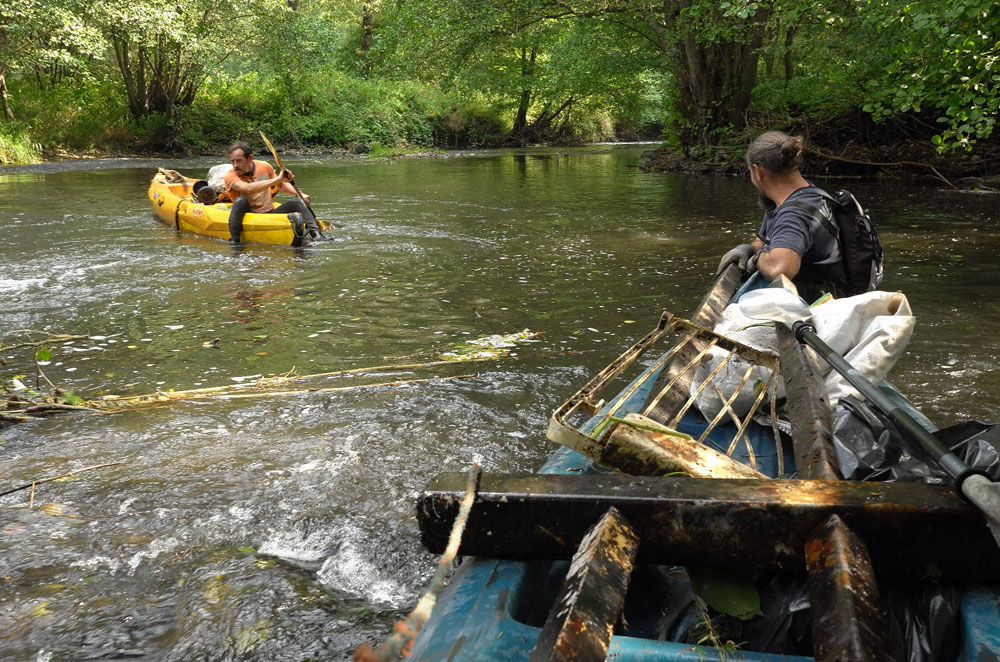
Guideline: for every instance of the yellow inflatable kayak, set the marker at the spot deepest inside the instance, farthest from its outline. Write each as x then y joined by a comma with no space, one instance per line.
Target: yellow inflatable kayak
175,205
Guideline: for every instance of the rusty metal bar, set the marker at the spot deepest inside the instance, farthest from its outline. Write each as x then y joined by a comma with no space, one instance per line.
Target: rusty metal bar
912,529
843,597
727,404
625,395
847,623
694,396
771,384
582,618
561,432
685,372
751,456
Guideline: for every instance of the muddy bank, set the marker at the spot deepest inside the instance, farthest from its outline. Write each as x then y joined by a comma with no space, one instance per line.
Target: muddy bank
860,149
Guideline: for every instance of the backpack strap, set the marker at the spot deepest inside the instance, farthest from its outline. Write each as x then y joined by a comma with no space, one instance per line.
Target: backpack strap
816,213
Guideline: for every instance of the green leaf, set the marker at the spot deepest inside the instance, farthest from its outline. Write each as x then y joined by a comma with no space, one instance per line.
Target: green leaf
247,550
72,398
726,592
43,354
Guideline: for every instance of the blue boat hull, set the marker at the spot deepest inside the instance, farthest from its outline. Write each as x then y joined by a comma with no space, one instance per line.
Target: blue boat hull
482,614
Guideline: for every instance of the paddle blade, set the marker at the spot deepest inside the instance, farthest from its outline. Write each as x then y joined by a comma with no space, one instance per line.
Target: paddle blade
274,152
775,305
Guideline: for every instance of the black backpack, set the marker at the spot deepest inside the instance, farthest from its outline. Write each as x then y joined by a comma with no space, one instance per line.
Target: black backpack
860,246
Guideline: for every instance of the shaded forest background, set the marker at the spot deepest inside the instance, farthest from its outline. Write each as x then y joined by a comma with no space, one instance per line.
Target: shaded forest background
873,81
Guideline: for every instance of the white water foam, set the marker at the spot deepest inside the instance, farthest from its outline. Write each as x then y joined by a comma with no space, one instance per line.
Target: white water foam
293,546
353,571
18,284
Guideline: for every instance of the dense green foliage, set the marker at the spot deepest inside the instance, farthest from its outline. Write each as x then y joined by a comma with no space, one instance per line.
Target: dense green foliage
195,74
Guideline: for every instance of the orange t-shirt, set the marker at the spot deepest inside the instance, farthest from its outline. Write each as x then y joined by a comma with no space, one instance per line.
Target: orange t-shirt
262,201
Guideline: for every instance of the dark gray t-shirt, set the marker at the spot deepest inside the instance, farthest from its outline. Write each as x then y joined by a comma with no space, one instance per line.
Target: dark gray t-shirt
795,228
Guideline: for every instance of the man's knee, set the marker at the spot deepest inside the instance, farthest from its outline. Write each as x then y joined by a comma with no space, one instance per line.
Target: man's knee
293,205
241,206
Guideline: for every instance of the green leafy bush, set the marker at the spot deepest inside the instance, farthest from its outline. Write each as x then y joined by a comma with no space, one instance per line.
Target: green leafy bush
16,147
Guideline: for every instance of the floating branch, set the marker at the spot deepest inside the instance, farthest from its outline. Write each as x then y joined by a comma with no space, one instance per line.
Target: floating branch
402,382
48,339
261,387
32,484
22,404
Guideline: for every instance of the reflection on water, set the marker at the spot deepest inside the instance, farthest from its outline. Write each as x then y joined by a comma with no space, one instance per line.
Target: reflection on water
281,528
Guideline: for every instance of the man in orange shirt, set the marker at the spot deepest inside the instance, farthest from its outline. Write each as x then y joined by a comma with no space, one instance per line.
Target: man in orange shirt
251,186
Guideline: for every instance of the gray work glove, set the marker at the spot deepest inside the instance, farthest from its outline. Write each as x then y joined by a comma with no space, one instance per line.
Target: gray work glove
738,256
752,262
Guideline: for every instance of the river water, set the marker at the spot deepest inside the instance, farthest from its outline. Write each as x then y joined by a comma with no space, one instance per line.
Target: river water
282,528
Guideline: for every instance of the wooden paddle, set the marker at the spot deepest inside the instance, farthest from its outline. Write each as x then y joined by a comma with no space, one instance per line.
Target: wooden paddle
281,167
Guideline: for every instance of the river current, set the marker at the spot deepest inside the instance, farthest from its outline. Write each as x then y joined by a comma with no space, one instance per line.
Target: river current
282,528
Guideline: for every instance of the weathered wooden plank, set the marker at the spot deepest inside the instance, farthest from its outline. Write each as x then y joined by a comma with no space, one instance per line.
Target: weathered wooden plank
582,618
846,621
808,408
911,528
843,597
644,452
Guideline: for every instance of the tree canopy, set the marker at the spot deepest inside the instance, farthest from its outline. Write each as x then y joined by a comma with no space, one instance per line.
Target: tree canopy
187,74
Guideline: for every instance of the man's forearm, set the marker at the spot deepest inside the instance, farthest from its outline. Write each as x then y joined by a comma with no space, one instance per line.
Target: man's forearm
254,187
778,261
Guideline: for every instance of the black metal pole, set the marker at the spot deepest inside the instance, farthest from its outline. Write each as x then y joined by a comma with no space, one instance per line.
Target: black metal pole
910,428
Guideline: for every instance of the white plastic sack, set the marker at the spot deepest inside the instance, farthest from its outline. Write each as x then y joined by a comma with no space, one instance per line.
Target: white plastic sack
217,177
870,330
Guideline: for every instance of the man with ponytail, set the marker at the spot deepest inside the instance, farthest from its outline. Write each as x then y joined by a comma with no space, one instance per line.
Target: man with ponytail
796,237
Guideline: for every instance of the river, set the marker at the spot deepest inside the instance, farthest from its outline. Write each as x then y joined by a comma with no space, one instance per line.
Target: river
282,528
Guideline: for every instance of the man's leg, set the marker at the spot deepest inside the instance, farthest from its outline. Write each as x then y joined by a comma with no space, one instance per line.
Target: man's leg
236,214
296,205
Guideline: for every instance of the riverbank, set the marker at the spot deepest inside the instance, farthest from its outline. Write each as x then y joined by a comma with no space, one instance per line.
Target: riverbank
841,154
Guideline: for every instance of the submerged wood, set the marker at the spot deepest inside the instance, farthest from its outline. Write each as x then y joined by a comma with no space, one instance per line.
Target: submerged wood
636,447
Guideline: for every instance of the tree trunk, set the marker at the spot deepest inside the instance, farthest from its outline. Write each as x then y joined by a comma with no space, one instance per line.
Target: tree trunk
4,100
715,80
789,38
368,8
543,123
134,79
517,132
